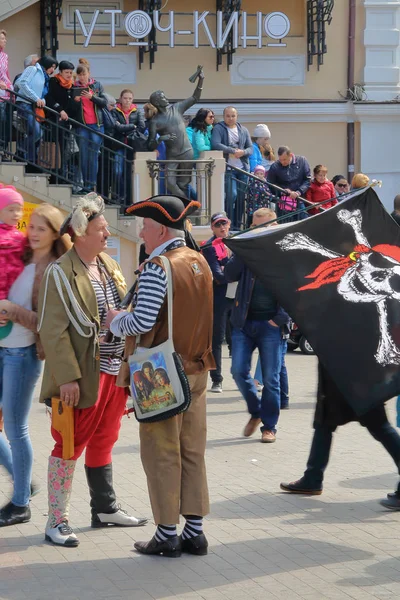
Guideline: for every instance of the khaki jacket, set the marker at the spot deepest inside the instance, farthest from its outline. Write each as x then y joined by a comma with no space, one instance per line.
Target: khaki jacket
70,356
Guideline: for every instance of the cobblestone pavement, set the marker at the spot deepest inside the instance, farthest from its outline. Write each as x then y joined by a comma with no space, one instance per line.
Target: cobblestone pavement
263,543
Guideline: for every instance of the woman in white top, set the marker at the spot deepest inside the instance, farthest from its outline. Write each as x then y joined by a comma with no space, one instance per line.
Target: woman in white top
21,355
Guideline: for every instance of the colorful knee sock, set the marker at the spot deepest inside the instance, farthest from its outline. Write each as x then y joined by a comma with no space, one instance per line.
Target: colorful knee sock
193,527
164,532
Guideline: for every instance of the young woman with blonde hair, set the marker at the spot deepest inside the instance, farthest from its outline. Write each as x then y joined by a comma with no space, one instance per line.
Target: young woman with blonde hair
21,355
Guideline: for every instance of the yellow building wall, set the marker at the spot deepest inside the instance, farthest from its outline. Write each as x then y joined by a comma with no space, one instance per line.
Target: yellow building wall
320,143
23,37
173,66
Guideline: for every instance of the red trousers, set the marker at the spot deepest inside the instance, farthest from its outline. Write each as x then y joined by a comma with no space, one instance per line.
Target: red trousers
97,428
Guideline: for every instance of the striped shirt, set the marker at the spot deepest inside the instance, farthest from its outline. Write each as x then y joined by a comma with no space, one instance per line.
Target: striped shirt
150,296
107,297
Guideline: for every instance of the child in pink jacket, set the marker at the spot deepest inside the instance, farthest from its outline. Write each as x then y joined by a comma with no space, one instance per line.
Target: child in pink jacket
12,241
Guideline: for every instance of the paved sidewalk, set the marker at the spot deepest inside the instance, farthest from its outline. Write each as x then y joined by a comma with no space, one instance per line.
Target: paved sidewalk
263,543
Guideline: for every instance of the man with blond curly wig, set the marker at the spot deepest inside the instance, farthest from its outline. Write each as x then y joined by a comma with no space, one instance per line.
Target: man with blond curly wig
80,368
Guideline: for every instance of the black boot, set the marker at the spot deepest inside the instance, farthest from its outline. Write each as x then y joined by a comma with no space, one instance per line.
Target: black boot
11,514
311,482
103,502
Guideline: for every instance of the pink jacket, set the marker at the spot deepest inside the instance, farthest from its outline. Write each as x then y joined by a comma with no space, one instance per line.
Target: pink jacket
12,244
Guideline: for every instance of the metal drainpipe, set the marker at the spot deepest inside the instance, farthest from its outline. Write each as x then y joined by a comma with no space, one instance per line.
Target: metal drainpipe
350,86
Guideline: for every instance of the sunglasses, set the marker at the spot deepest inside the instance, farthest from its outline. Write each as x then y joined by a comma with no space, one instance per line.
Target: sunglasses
220,224
342,185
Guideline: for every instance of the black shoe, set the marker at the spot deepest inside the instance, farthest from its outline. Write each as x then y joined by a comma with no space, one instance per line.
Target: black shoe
285,406
171,548
197,545
298,487
392,502
12,515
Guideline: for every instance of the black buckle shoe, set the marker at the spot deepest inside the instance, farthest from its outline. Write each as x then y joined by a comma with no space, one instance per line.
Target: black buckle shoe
196,545
12,515
171,548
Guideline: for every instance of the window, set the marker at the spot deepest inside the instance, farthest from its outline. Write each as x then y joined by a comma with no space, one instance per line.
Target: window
87,9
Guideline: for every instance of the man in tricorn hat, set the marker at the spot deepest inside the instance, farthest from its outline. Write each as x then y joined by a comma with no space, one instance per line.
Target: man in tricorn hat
172,450
81,369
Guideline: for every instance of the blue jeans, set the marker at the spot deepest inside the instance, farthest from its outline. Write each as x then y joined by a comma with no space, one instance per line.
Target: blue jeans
283,377
30,143
235,188
19,371
119,172
268,340
89,143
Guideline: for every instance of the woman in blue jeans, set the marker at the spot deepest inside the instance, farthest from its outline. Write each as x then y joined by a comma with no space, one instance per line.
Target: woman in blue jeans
92,102
20,358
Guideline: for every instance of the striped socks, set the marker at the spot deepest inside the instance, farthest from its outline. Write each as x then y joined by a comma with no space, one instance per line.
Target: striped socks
164,532
193,527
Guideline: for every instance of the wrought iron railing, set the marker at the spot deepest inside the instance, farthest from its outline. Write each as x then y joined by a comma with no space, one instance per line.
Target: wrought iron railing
67,151
192,180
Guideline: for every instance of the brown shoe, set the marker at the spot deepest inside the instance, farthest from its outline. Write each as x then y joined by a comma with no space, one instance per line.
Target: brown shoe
251,427
268,437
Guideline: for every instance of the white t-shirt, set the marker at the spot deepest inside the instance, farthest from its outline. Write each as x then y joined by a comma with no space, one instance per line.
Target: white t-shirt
21,293
234,143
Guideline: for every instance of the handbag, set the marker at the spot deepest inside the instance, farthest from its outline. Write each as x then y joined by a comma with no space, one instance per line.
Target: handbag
287,203
159,385
138,141
62,420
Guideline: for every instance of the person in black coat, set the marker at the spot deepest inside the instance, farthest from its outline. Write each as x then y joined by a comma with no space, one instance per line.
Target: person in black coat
90,99
59,98
129,125
331,411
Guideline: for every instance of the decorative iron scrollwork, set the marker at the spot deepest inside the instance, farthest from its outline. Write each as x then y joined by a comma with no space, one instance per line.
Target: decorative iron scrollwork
50,14
227,7
319,15
149,6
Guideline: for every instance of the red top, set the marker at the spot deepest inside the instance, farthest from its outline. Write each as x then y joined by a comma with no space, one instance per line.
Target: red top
318,192
12,244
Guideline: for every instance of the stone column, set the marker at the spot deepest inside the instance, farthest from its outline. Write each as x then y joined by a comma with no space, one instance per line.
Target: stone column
382,54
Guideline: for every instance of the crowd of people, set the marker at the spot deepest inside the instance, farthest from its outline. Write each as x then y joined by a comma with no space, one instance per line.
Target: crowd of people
82,113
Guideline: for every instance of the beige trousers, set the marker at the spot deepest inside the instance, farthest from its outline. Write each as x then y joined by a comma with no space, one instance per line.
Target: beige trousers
172,453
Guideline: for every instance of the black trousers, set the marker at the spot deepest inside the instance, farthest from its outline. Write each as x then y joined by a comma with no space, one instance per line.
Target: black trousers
222,306
379,428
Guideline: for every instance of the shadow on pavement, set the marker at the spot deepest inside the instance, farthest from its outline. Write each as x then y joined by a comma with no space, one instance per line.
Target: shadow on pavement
131,575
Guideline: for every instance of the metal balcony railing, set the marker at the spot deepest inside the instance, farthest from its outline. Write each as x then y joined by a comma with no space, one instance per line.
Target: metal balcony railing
66,151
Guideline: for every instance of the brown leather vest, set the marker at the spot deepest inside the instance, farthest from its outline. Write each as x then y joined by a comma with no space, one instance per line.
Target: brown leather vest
192,313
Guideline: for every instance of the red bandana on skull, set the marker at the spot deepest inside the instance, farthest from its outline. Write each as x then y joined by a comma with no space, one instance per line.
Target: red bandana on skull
332,270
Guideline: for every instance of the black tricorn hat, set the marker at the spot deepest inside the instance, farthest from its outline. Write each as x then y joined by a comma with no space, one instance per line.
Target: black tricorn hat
170,211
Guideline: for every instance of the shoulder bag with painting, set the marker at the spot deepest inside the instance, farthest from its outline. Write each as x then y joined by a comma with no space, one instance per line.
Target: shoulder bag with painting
159,385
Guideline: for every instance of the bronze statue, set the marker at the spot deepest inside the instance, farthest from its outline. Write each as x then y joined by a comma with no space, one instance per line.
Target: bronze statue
170,126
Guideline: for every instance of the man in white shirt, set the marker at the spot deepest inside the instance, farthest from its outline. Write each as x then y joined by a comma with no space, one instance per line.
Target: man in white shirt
234,141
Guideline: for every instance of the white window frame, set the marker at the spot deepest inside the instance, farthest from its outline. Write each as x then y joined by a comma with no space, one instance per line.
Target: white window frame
69,7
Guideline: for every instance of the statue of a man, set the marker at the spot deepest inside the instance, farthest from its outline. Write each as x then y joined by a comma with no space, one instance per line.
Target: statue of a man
170,126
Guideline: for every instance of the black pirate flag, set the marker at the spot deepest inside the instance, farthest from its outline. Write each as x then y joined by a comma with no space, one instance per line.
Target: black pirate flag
338,275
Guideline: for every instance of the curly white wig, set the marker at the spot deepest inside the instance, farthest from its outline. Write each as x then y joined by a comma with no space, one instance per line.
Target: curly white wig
86,209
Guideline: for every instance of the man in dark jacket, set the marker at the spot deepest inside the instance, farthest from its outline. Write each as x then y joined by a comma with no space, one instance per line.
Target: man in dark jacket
331,411
293,174
258,322
234,141
217,255
396,212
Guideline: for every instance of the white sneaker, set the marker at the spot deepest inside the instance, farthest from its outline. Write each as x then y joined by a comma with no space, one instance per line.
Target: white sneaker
120,518
62,535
